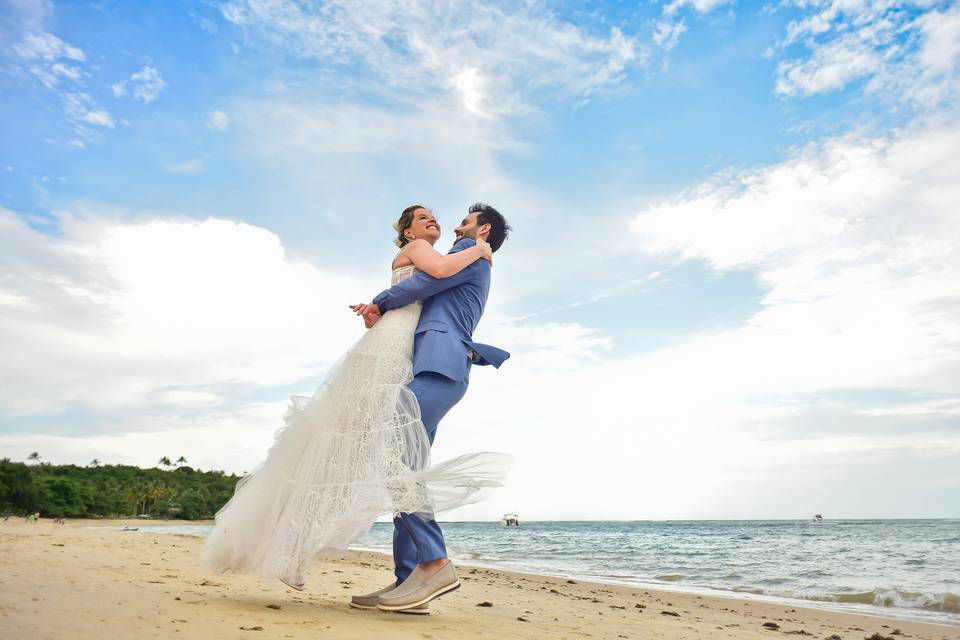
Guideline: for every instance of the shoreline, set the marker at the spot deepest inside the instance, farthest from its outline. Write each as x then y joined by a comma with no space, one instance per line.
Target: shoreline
865,609
946,618
79,582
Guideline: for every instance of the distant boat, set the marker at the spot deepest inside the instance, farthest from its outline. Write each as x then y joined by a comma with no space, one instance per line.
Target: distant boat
509,520
818,518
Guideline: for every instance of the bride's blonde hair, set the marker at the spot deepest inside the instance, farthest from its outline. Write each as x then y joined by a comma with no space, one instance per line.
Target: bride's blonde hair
401,225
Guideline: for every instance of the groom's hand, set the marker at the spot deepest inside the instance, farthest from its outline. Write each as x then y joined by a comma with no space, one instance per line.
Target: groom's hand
371,315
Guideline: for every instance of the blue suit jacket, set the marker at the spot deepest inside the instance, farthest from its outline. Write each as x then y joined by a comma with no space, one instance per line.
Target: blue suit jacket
451,310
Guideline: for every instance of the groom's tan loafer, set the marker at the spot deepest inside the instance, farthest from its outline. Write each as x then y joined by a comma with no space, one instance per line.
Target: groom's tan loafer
417,590
369,601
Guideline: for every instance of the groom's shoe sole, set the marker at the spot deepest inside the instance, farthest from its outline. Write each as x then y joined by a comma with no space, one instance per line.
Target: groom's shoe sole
415,611
413,605
419,610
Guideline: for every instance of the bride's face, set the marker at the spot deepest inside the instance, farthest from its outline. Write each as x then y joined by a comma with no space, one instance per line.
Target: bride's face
424,226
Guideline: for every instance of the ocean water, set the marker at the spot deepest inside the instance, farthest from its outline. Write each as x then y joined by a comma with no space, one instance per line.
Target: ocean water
905,568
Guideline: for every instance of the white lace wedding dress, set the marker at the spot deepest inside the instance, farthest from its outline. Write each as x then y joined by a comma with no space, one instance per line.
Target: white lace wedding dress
353,451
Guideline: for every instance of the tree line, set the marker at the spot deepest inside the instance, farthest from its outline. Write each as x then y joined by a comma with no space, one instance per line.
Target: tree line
113,490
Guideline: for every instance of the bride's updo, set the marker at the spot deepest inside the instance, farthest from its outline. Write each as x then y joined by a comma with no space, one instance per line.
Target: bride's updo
406,219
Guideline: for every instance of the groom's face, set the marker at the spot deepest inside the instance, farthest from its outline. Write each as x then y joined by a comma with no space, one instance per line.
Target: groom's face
468,228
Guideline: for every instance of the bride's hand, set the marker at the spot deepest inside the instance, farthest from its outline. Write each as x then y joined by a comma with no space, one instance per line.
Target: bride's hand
365,309
485,251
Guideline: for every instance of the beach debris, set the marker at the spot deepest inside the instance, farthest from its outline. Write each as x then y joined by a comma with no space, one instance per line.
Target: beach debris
798,632
553,590
58,544
770,625
273,606
522,619
897,632
251,628
176,597
616,606
571,582
670,613
639,606
834,637
877,636
485,603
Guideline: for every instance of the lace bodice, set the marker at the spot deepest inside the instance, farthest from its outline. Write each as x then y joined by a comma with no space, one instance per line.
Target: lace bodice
402,273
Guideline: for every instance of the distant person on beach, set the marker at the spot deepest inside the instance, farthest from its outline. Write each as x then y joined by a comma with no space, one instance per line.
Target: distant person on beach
359,447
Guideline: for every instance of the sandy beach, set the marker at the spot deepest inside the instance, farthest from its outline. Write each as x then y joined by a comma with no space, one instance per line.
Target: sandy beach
71,581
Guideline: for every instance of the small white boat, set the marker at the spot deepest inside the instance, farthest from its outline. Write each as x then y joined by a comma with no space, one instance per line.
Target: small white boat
509,520
818,518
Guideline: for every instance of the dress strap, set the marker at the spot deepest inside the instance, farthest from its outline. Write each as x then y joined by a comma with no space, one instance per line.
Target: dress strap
393,265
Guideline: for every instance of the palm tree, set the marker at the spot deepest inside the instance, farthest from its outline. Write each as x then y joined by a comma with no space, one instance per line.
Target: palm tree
165,461
94,463
34,456
181,461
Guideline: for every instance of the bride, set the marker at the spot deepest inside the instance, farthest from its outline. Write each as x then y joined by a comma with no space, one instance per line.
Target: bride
356,449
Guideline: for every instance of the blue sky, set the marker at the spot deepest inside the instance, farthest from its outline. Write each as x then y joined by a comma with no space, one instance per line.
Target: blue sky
732,263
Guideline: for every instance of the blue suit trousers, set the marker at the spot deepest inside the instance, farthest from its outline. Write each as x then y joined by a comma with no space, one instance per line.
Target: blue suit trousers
416,536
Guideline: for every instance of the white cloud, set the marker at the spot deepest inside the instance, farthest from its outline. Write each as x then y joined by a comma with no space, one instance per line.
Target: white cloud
47,47
417,50
189,166
80,107
941,33
700,6
471,86
147,84
855,240
218,120
449,150
68,71
114,315
100,118
51,59
831,67
899,51
667,33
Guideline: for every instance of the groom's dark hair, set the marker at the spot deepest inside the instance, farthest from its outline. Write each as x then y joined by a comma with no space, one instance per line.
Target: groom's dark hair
499,229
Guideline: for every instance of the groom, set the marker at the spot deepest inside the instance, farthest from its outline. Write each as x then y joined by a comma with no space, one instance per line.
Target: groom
443,352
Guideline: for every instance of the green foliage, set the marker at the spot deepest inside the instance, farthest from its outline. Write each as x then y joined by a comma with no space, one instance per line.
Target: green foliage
112,490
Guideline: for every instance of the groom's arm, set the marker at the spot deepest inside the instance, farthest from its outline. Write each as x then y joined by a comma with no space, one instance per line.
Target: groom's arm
420,286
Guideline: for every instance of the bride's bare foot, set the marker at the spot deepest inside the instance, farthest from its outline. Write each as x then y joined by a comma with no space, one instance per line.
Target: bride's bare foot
293,585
